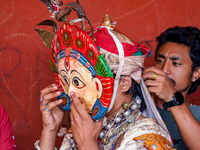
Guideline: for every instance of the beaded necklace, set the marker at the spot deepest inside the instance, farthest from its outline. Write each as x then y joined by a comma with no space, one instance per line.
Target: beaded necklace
117,126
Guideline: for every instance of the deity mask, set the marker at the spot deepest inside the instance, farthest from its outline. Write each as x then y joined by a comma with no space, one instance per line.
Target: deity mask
78,66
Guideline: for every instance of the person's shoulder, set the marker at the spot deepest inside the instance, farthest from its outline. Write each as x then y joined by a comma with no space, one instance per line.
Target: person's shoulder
3,116
2,111
194,108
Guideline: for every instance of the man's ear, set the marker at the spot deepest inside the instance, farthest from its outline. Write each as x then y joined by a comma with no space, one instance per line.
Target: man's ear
196,74
125,82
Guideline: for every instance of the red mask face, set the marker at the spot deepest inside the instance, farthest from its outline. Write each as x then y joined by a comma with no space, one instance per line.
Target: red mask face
79,67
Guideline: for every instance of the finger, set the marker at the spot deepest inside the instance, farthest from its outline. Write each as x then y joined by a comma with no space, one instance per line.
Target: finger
49,96
154,90
99,123
152,69
51,105
48,89
77,104
72,118
148,75
74,112
151,83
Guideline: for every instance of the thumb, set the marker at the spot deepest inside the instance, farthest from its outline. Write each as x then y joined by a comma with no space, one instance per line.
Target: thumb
99,123
98,126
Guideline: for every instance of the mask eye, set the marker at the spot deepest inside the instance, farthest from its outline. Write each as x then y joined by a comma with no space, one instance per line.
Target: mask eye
66,80
77,83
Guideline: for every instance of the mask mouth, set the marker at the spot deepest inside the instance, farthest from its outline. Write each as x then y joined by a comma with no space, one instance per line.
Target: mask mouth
81,101
85,105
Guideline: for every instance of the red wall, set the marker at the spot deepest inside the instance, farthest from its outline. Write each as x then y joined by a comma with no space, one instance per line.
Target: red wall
24,59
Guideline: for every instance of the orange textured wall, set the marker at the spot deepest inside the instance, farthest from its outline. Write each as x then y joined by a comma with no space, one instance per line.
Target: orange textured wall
24,59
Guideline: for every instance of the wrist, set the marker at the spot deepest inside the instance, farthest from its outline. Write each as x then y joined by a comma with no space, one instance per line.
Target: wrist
48,133
177,100
47,139
170,97
49,129
37,147
90,145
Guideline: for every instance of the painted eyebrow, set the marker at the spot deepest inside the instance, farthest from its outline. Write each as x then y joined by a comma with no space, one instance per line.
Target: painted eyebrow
76,72
63,71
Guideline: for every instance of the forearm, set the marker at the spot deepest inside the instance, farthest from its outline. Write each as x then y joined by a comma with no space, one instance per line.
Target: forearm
47,140
188,126
92,145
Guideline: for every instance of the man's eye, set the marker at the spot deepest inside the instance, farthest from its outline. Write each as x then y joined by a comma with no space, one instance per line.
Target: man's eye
159,61
176,64
77,83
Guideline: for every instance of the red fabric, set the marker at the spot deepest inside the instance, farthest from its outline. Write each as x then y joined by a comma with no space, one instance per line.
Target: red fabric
6,136
105,41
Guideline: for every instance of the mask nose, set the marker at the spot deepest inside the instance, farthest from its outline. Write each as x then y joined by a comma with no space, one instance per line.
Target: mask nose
71,88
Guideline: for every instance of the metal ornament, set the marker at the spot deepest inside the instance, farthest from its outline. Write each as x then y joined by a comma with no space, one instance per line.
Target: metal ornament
118,119
105,140
120,124
125,105
134,106
115,128
71,141
108,126
138,100
126,113
101,135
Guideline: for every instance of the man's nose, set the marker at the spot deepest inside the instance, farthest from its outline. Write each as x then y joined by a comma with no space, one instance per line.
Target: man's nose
166,68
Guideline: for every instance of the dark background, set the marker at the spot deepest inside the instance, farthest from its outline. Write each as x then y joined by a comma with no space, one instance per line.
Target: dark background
24,59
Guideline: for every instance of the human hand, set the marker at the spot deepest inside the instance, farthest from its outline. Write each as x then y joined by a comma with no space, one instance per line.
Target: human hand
51,113
159,83
85,131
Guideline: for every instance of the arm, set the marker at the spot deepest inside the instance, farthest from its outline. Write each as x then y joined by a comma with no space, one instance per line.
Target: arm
51,119
6,136
188,126
84,129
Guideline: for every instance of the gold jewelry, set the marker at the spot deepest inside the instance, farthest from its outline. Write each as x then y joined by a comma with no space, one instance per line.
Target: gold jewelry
154,76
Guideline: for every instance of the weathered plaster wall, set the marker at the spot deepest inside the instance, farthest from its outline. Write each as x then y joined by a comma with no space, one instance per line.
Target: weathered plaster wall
24,59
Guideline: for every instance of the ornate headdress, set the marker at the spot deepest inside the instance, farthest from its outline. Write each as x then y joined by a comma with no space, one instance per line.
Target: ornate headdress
122,56
125,58
71,42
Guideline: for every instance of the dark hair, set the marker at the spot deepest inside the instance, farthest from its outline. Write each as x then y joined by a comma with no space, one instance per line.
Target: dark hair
135,90
188,36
